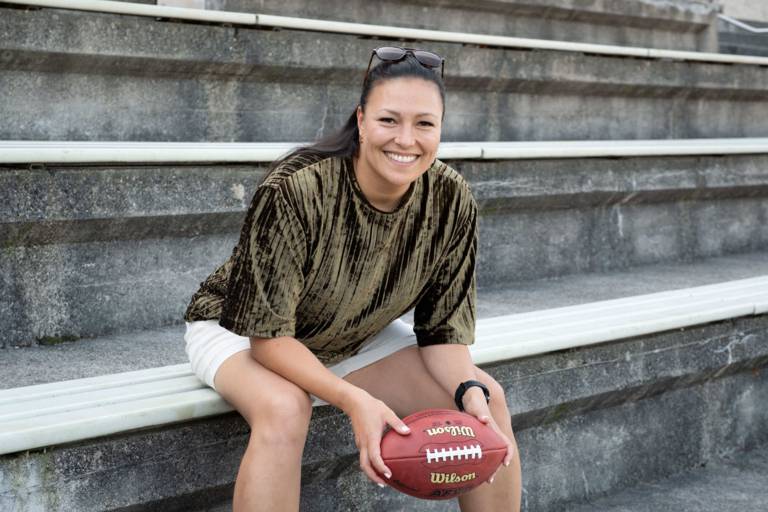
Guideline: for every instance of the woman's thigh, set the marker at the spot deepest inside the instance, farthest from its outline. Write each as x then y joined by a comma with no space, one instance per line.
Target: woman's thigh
261,395
402,382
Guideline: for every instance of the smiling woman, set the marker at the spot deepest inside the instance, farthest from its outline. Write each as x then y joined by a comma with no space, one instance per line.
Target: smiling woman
399,138
342,238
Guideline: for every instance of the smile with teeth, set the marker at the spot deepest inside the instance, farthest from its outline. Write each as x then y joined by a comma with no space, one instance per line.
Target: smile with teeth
401,158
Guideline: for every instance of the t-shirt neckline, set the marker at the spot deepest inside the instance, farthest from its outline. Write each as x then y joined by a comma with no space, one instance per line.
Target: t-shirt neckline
404,202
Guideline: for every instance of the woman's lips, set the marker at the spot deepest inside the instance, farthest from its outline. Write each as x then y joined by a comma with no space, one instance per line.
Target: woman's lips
391,157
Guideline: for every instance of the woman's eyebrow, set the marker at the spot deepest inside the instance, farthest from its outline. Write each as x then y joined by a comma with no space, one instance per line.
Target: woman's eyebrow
395,112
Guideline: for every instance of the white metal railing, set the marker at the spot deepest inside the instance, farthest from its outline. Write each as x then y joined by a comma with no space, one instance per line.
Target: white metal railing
42,152
287,22
742,25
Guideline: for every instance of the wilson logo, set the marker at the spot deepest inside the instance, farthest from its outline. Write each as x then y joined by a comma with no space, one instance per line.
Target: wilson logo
453,430
451,478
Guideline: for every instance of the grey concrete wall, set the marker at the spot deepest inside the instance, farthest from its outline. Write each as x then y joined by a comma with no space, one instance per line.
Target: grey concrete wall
91,250
754,10
669,24
636,409
104,77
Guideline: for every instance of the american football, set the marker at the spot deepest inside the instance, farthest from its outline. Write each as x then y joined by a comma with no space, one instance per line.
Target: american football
446,454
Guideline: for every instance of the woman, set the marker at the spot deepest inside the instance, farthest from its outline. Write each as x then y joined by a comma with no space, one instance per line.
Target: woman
341,239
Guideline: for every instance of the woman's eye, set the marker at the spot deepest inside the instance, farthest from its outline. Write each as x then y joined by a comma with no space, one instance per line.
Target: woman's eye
427,123
386,119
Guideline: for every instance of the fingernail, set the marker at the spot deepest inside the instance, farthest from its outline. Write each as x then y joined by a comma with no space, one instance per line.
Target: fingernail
380,484
492,479
388,475
506,463
405,429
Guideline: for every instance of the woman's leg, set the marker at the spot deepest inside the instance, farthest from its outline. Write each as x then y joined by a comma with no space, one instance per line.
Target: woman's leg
403,382
505,491
278,412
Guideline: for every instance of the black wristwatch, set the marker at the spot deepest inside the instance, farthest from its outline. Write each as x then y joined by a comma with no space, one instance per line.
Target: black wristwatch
464,386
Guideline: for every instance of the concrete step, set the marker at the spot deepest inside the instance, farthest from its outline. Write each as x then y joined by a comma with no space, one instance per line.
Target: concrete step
682,25
733,483
140,238
136,78
140,349
637,409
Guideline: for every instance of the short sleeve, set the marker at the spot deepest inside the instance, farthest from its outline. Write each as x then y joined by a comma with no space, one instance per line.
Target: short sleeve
266,278
446,312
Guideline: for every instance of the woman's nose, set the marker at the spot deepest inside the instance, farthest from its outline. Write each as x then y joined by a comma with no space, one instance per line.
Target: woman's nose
405,136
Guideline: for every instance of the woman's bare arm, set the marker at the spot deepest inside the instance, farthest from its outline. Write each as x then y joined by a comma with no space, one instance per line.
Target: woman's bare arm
292,360
450,365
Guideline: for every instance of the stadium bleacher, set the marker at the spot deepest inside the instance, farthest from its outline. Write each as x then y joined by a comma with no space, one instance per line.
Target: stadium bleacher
621,177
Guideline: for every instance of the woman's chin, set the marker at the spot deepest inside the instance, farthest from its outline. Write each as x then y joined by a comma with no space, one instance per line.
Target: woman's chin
402,179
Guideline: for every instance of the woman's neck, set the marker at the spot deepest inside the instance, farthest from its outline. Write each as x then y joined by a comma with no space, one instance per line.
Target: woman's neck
382,195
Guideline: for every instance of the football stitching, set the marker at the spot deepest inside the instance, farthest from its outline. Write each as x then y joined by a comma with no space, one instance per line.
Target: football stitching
443,455
421,458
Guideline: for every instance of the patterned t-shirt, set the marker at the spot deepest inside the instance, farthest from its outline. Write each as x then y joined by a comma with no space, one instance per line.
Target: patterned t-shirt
318,262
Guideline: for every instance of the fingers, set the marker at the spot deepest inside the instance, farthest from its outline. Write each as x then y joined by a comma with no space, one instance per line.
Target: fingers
507,459
365,465
371,462
397,424
369,443
510,447
374,455
510,452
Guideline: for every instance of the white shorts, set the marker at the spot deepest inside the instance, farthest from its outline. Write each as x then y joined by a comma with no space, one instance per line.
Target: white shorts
208,345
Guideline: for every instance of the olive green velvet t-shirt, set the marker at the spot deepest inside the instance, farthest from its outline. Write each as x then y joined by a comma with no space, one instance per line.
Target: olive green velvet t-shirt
316,261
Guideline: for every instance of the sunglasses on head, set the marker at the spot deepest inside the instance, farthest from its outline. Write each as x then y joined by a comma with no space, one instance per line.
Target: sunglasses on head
395,53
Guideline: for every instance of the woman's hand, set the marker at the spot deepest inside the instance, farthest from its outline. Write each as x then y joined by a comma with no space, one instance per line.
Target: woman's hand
369,417
476,405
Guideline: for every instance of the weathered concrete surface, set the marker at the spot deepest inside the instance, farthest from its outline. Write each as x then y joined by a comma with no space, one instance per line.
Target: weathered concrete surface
148,348
745,9
669,24
88,251
587,421
732,484
88,76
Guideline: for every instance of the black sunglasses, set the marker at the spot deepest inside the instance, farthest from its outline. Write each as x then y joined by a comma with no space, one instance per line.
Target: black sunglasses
395,53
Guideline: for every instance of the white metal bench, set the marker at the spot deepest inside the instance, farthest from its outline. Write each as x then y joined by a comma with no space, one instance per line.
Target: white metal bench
43,152
60,412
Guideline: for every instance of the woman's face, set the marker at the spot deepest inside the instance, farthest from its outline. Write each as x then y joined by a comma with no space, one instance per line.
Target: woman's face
400,129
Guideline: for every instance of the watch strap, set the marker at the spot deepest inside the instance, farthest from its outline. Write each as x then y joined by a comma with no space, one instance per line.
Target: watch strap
459,395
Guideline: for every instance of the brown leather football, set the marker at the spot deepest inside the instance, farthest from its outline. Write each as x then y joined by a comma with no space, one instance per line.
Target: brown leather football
446,454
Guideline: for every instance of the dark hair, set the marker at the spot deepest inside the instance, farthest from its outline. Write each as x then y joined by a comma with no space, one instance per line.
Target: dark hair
345,142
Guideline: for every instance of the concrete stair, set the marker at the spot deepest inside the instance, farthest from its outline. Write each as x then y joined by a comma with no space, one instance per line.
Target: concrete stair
729,484
615,404
733,483
136,78
137,241
678,25
99,260
138,349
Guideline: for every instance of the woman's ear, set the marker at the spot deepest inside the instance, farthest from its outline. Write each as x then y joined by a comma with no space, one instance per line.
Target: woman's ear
359,119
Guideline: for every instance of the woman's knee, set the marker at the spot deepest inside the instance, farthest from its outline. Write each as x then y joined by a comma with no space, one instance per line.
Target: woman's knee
276,409
281,416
